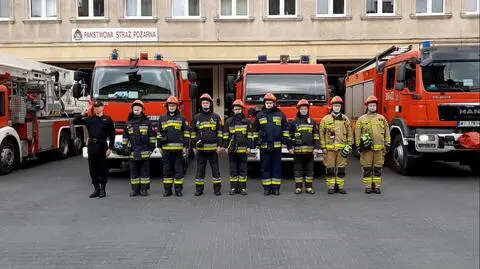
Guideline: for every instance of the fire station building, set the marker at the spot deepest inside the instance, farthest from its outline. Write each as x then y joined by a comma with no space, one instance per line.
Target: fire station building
216,38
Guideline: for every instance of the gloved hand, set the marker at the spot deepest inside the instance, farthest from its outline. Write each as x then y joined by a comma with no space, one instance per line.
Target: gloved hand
367,140
346,150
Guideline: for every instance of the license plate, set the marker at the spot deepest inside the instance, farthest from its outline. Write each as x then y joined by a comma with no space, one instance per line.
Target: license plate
469,123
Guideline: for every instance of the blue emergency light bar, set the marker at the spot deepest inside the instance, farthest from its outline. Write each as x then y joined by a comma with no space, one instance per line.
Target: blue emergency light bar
158,57
262,58
304,59
426,44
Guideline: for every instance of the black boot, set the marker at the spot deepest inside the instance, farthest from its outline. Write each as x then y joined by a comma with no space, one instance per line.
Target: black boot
233,188
143,190
243,188
102,192
342,191
96,192
368,190
199,190
309,188
377,191
266,190
178,190
298,187
135,190
216,189
335,188
276,190
167,189
331,191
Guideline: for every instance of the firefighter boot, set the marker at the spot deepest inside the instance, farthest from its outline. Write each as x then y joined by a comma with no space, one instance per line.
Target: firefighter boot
234,187
102,192
309,188
198,190
377,191
276,190
167,190
216,189
368,190
135,190
266,190
298,186
242,186
143,190
335,188
96,192
178,190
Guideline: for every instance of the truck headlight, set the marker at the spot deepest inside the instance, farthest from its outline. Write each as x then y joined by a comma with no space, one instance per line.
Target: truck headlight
425,138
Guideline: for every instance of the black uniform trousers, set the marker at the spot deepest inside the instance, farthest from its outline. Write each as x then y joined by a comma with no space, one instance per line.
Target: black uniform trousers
140,173
202,158
173,163
303,166
238,167
97,162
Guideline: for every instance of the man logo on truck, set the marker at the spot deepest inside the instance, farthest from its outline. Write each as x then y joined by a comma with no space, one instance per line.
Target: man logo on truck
469,111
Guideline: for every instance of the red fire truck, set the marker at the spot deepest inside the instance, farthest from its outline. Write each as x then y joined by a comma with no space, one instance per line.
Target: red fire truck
430,97
289,82
118,82
36,112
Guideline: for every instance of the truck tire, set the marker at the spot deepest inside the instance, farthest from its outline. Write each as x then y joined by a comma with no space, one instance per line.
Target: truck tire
64,145
8,157
400,160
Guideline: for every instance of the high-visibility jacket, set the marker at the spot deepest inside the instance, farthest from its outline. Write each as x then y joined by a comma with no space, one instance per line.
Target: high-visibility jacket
138,137
335,132
173,132
206,131
377,126
270,129
237,134
304,136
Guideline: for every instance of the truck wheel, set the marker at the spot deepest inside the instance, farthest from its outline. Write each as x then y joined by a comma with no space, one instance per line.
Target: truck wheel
7,157
64,146
399,158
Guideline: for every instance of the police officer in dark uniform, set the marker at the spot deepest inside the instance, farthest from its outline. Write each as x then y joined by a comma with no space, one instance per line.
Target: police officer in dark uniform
139,141
100,127
173,139
207,134
237,136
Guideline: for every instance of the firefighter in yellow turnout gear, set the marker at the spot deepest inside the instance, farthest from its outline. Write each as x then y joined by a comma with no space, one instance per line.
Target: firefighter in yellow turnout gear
336,141
372,137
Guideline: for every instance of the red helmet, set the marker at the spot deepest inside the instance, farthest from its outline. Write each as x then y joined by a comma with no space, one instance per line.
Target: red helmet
207,97
138,103
270,96
303,102
238,102
172,100
336,100
371,99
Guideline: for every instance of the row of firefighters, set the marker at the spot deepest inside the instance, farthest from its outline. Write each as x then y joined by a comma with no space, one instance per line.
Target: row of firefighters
269,132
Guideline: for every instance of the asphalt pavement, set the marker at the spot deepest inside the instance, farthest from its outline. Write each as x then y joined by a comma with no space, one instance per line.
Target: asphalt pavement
426,221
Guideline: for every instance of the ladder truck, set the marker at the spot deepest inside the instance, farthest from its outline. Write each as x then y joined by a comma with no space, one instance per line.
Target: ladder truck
36,112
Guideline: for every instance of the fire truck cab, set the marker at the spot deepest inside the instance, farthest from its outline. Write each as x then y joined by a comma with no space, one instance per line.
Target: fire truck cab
289,82
118,82
430,98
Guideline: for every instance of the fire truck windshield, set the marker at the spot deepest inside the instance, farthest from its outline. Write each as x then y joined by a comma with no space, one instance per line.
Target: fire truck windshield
124,83
288,88
452,76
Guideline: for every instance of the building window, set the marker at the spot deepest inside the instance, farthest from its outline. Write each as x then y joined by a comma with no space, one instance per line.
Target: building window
138,8
380,7
330,7
472,6
233,8
5,9
430,6
43,9
185,8
282,7
90,8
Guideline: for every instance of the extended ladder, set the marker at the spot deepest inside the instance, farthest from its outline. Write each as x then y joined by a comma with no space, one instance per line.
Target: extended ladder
382,58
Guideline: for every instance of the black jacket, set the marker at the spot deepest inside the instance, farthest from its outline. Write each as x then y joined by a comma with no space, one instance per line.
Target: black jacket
173,132
138,137
98,128
270,129
237,134
304,135
206,132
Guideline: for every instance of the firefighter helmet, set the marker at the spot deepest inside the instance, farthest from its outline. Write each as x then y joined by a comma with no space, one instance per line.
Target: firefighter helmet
138,103
371,99
336,100
238,102
172,100
270,96
303,102
207,97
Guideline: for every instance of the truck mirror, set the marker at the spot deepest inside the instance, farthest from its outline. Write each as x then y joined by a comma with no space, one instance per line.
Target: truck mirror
77,90
193,91
401,72
230,97
78,75
134,77
192,76
400,86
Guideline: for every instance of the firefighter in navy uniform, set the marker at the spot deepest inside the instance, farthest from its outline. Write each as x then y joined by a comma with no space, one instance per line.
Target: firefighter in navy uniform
271,132
139,141
237,136
173,139
207,133
336,141
304,144
100,127
372,138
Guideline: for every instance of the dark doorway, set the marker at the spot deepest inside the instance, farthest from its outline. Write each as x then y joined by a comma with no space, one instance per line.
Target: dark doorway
204,82
230,75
